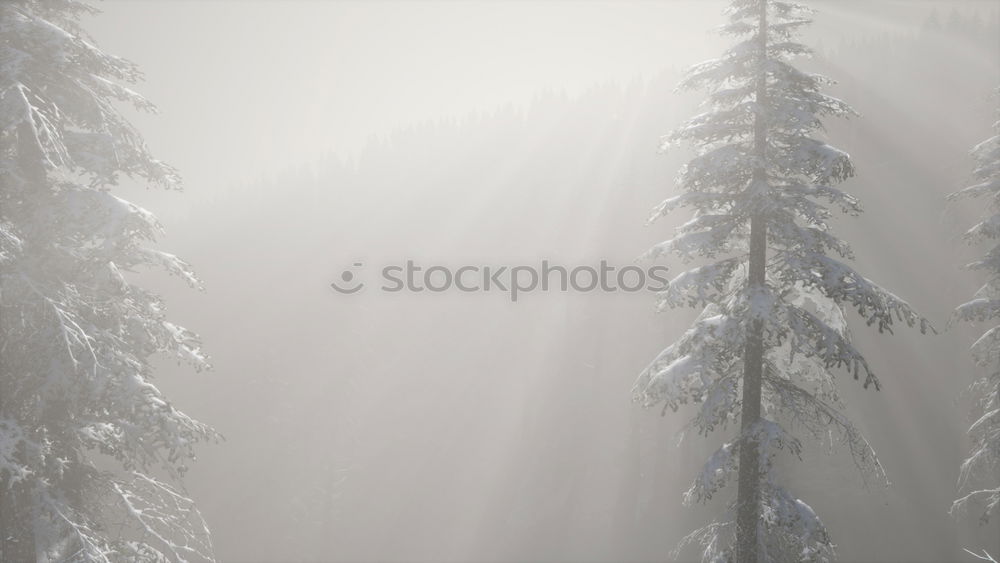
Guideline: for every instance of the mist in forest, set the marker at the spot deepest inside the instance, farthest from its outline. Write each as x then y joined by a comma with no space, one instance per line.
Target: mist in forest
459,426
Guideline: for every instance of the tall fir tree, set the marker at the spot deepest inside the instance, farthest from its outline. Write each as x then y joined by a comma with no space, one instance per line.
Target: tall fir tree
979,477
771,283
90,449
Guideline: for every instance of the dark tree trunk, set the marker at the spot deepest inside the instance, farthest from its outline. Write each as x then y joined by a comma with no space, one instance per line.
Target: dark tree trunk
748,495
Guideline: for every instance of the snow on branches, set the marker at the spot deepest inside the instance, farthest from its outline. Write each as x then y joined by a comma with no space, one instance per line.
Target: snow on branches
759,154
77,335
978,477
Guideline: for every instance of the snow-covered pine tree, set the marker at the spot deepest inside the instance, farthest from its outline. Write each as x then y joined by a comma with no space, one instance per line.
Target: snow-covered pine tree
773,329
90,449
979,477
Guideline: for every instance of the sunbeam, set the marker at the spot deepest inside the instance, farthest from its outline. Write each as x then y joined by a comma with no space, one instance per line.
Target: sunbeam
414,223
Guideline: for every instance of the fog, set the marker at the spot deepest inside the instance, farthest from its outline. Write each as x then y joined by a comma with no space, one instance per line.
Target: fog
461,426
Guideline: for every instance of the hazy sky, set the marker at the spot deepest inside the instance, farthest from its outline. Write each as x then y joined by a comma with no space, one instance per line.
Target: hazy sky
248,88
